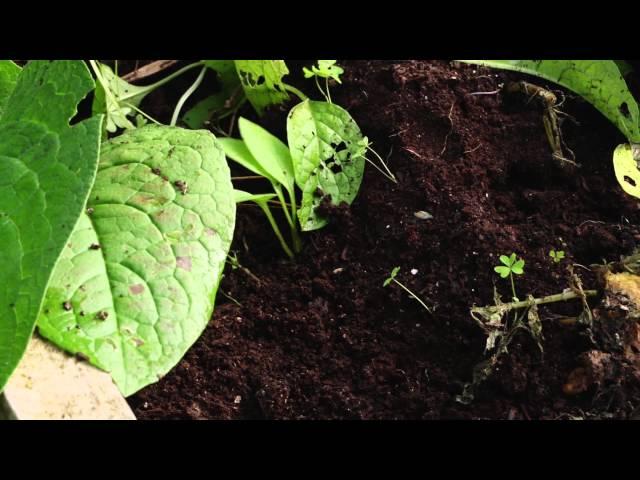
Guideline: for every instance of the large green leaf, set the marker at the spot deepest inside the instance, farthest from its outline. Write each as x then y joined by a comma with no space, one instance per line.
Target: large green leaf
46,171
9,73
597,81
328,152
136,284
262,82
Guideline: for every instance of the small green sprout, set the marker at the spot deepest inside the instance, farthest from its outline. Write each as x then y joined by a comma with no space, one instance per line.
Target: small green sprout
557,256
511,265
392,278
326,69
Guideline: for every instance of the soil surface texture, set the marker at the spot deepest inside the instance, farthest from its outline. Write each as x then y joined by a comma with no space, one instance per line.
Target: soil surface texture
321,338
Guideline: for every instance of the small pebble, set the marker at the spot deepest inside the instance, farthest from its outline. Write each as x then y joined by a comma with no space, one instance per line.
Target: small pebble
422,215
237,400
414,271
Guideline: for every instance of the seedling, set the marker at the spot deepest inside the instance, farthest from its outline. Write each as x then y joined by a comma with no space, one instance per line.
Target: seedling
510,265
557,256
326,69
392,278
266,155
500,330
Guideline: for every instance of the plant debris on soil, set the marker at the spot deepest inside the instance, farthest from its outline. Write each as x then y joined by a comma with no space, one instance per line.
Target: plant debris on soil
320,338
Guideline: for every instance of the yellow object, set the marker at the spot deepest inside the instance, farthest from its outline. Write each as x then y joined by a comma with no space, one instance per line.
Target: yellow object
626,284
626,168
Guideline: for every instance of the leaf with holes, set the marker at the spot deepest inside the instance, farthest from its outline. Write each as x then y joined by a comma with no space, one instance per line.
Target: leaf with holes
325,69
46,171
9,73
262,82
625,166
600,82
136,283
328,153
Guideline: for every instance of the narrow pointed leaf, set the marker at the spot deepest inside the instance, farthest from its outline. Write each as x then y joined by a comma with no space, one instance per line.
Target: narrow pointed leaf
269,151
237,151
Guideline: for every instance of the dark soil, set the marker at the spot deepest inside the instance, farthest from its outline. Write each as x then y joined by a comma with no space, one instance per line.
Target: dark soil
320,338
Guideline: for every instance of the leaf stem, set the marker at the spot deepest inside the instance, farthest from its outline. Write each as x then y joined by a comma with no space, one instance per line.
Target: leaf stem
278,189
274,225
297,242
513,286
413,295
133,107
558,297
186,95
295,91
390,175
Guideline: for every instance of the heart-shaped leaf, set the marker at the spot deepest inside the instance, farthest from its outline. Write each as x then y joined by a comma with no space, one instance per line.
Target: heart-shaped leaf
328,152
136,283
503,271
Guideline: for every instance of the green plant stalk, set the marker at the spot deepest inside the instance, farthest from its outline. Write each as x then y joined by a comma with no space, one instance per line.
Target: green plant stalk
295,91
389,175
146,115
315,78
326,83
267,211
558,297
185,96
297,242
513,285
413,295
291,217
278,189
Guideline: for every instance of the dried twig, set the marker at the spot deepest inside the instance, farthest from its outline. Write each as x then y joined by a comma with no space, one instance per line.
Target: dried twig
148,70
446,139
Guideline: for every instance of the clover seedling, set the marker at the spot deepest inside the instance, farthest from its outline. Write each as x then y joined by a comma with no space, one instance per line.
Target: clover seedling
510,265
392,278
557,256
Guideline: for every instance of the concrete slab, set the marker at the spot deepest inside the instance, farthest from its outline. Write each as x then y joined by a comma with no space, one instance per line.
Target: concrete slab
52,385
